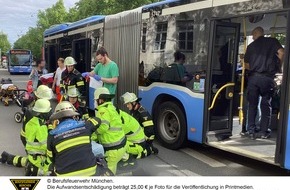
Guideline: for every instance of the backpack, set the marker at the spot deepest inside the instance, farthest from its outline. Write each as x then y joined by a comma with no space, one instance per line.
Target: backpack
154,75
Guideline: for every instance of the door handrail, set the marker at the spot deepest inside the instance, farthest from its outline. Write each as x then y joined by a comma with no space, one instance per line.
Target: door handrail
218,92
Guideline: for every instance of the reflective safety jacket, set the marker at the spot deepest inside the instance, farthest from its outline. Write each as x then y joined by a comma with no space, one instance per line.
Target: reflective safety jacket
132,129
73,79
110,133
70,150
36,133
145,120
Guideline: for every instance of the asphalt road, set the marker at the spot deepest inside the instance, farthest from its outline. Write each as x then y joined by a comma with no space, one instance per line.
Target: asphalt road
193,160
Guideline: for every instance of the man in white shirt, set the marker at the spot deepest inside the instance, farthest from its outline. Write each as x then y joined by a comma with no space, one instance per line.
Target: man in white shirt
57,78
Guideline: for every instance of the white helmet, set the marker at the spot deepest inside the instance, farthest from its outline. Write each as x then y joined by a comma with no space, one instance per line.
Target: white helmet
42,106
102,92
73,92
43,92
69,61
64,109
130,97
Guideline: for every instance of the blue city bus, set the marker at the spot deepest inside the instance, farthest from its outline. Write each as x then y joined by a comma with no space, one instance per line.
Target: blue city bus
213,34
19,61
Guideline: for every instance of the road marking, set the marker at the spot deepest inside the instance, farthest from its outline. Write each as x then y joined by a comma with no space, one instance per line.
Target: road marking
201,157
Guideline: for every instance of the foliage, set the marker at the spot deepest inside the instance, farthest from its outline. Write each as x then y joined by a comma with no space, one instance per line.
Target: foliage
58,14
4,43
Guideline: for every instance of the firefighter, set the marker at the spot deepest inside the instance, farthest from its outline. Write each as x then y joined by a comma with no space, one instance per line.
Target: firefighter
69,144
136,139
71,78
110,133
74,98
142,116
36,142
42,92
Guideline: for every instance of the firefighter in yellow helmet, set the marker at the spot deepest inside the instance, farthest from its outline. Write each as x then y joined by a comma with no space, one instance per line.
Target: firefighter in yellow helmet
69,144
71,78
110,133
36,132
142,116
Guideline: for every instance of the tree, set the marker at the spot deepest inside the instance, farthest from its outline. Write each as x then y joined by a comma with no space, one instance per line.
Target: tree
33,39
4,43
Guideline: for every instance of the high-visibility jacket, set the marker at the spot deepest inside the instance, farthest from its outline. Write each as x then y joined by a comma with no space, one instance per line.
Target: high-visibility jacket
145,120
72,79
132,129
110,133
69,148
36,133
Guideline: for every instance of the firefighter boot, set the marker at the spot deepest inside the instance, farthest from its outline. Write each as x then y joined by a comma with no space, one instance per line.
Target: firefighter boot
4,157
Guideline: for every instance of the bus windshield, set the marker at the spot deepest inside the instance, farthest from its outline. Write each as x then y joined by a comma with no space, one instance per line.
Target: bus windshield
20,60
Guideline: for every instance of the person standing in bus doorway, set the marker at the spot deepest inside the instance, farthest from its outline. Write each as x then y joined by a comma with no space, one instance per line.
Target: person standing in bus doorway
106,71
71,78
57,78
37,72
263,59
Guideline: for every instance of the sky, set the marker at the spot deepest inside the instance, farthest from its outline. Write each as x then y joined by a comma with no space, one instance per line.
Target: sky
16,16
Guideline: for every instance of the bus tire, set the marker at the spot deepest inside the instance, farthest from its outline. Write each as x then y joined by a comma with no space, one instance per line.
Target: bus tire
171,125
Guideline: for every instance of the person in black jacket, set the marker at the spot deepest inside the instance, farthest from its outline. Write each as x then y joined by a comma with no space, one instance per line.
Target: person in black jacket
71,78
263,59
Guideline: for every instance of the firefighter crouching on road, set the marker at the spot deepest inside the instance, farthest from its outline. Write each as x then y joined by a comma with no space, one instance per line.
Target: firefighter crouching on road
69,144
36,142
73,95
136,139
71,78
110,133
42,92
142,116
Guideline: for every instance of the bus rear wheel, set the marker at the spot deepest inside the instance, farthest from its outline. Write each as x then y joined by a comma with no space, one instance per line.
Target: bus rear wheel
171,125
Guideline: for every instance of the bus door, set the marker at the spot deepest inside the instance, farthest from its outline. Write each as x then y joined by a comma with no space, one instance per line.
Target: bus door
51,57
223,52
81,51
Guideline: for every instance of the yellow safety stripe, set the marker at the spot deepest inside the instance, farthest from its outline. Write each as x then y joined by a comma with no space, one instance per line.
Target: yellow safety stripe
22,133
15,159
80,83
85,172
113,144
85,116
135,133
147,123
93,121
49,153
37,143
61,85
72,142
151,137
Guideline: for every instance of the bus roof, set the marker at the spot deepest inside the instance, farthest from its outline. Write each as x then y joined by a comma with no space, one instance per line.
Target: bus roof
157,4
69,26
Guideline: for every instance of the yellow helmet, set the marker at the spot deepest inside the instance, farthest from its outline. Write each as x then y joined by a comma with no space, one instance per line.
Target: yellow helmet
43,92
129,98
69,61
64,109
101,91
73,92
42,106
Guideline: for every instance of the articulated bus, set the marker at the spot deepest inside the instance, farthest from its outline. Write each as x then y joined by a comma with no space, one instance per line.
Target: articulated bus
214,35
19,61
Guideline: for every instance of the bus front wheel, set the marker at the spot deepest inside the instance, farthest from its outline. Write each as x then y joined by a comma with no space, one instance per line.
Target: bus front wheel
171,125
